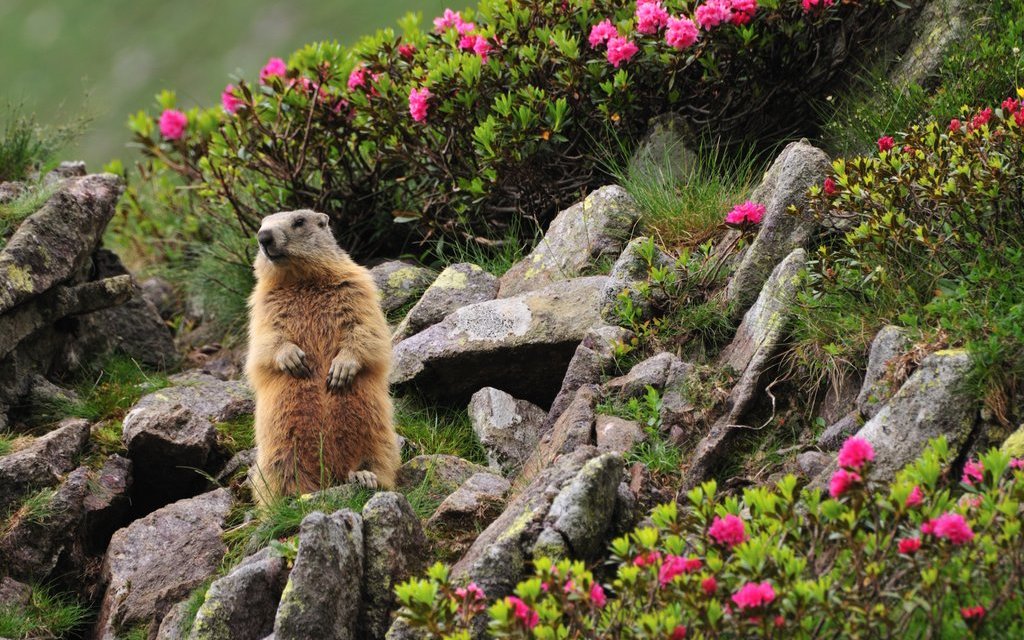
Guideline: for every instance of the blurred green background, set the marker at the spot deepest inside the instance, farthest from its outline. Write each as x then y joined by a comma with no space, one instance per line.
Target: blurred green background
108,58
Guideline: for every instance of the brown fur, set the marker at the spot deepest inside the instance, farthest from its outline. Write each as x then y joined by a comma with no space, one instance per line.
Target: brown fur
313,296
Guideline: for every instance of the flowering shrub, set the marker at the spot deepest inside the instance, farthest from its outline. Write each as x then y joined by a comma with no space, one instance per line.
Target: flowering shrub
496,113
920,557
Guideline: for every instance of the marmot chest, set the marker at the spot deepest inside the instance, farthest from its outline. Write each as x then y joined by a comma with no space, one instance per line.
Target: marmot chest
316,318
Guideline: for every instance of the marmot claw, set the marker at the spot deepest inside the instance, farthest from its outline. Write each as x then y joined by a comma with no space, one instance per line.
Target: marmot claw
367,479
341,373
292,359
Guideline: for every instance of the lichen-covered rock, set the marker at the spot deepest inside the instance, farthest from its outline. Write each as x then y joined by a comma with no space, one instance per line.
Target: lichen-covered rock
507,428
1014,444
241,605
580,512
629,274
521,345
171,433
400,283
322,596
42,463
394,549
617,434
574,428
799,166
473,506
158,560
441,473
593,357
891,342
938,27
459,285
596,228
652,372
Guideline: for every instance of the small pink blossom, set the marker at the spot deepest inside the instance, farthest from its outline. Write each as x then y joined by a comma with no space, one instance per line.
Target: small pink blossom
679,633
886,143
709,585
471,592
974,471
419,104
981,119
275,68
841,482
172,124
951,526
523,612
1017,464
597,595
855,453
753,595
743,11
970,613
728,531
569,586
357,78
677,566
713,13
1019,118
812,4
452,19
228,100
620,50
407,51
830,187
746,213
647,559
650,17
955,124
909,546
681,33
1010,105
602,32
914,499
476,44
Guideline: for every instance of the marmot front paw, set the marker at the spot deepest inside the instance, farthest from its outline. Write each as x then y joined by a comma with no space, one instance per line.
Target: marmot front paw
343,370
367,479
292,359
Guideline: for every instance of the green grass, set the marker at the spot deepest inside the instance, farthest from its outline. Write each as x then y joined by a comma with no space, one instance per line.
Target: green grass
27,146
140,632
48,615
495,257
431,430
237,434
660,456
35,508
220,278
6,443
12,213
192,604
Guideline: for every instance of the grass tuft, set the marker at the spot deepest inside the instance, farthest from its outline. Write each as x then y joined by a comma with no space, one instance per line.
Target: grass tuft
14,212
35,508
48,615
432,430
26,146
237,434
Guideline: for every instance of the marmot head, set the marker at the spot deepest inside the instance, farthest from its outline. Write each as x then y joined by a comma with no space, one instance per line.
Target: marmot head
295,241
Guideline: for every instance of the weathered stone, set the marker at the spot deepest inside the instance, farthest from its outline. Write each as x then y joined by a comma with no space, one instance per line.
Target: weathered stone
521,345
938,27
507,428
785,184
477,502
593,356
441,473
580,513
241,605
617,434
630,275
677,412
321,599
13,593
106,504
652,372
837,433
591,230
400,283
647,492
64,170
171,433
664,152
400,630
174,626
891,342
573,429
42,463
394,549
237,465
811,463
459,285
158,560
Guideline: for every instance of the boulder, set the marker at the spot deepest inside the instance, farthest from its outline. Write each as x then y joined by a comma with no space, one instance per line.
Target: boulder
507,428
42,463
322,597
171,435
836,433
521,345
106,504
574,428
14,594
158,560
459,285
596,228
652,372
473,506
441,473
812,463
241,605
785,184
616,434
400,283
394,549
63,171
630,275
580,512
891,342
936,30
594,355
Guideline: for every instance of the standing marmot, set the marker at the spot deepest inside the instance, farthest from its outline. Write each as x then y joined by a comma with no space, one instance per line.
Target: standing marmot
319,355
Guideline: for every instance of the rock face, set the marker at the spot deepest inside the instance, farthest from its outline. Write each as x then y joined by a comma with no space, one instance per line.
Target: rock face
508,428
459,285
241,605
172,432
500,344
891,342
573,429
937,29
616,434
630,272
592,358
798,167
664,151
321,599
400,283
42,463
652,372
591,230
442,473
158,560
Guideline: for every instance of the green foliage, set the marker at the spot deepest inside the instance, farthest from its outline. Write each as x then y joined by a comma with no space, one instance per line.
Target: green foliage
192,604
35,508
237,434
27,146
48,615
27,203
219,278
778,562
431,430
6,443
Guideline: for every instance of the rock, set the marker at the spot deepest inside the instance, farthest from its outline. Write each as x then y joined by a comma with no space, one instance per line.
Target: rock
161,294
176,623
1013,446
841,395
171,433
42,463
575,428
106,504
585,233
937,28
477,502
617,434
798,167
837,433
46,395
594,355
400,283
677,412
521,345
891,342
14,594
664,152
394,549
158,560
647,492
400,630
11,191
442,473
580,512
322,597
63,171
459,285
241,605
237,466
507,428
811,463
630,276
652,372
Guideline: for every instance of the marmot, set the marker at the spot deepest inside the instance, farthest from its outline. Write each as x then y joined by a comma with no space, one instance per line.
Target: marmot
319,356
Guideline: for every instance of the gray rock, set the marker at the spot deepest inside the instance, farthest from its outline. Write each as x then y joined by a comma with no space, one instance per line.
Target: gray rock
521,345
171,433
322,597
652,372
473,505
441,473
158,560
592,358
11,191
575,428
798,167
630,276
65,170
837,433
677,412
400,630
239,463
937,28
241,605
42,463
664,152
580,512
106,504
161,294
400,283
891,342
811,463
459,285
394,549
617,434
13,593
174,626
507,428
596,228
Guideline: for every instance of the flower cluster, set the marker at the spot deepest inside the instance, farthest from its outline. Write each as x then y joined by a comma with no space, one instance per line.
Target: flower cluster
745,215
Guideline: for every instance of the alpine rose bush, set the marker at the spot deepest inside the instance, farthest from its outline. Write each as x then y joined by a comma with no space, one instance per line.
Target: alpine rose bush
923,556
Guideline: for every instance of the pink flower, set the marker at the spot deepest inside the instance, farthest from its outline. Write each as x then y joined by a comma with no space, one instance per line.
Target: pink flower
709,585
746,213
955,124
909,546
681,33
951,526
981,119
743,11
476,44
811,4
407,51
602,32
650,17
470,592
970,613
676,566
753,595
728,531
275,68
914,499
841,482
1019,118
172,124
830,187
1010,105
713,13
886,143
679,633
620,50
1017,464
855,452
452,19
418,104
569,586
228,99
649,559
597,595
357,78
523,612
974,471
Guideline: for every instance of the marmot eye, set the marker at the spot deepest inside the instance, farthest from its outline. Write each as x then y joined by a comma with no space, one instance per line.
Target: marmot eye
298,223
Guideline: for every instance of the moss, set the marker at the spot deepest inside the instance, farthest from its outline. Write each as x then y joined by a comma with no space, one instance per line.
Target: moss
20,278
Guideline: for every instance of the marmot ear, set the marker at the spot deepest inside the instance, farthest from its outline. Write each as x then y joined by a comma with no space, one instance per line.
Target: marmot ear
323,219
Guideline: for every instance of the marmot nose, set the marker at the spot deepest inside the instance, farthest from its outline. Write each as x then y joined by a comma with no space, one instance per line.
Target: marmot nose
265,238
